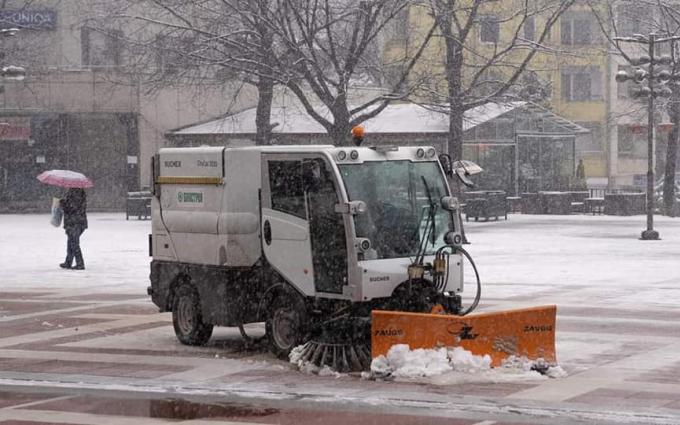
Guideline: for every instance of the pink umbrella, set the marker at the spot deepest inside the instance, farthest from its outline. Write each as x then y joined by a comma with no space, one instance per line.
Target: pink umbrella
65,178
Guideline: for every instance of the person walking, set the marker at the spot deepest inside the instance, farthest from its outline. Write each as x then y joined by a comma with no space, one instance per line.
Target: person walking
74,205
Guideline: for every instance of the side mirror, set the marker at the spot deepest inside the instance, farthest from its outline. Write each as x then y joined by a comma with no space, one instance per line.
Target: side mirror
445,161
352,207
464,178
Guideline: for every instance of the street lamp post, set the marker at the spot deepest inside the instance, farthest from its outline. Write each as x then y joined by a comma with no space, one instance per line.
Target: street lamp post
651,90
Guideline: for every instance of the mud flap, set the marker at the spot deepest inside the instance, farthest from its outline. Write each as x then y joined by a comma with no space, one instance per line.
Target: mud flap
528,332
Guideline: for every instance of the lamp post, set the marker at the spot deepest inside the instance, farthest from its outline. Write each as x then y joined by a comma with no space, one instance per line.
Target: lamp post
653,88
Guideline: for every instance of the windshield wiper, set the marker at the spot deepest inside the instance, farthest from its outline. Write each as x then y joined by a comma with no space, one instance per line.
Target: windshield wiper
429,225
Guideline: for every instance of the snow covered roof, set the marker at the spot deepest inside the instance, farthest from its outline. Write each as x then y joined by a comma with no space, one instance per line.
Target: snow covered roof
397,118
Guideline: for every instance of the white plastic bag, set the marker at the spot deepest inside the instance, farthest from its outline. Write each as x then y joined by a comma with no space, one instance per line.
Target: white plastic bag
57,213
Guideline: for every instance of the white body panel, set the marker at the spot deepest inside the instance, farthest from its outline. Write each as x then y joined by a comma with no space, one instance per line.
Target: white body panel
239,222
290,251
221,223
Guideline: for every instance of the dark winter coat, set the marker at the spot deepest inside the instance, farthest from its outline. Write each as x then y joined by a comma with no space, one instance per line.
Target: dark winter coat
74,205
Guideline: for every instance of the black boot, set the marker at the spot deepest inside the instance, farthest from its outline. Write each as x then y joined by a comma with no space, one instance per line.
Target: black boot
65,266
79,267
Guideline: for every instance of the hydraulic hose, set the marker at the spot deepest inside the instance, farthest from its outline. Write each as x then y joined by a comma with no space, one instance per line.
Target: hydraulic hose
479,283
440,253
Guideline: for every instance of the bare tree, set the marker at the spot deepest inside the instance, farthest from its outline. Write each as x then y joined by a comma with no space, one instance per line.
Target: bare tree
315,48
325,45
511,34
622,18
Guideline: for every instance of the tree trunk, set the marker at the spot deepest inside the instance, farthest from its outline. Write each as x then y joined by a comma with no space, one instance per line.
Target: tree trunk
265,95
671,161
454,63
340,131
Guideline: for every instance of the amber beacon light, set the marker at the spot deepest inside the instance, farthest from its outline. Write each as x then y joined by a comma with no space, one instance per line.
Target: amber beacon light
358,134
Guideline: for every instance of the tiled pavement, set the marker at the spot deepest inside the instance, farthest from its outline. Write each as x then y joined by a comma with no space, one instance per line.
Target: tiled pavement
111,358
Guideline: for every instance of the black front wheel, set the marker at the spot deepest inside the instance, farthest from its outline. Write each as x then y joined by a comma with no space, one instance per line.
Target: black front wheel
187,318
286,325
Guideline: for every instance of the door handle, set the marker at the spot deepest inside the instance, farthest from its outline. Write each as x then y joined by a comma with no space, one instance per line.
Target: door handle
267,232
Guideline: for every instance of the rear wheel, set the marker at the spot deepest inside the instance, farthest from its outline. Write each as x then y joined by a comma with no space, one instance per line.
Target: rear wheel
187,318
286,325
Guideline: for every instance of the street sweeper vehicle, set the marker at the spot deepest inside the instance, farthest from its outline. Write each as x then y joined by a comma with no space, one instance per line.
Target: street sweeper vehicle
341,251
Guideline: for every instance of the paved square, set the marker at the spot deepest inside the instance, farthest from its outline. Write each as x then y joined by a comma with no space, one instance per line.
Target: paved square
65,332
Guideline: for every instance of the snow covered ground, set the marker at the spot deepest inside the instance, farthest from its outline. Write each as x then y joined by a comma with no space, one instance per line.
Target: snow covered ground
115,253
527,260
526,255
618,304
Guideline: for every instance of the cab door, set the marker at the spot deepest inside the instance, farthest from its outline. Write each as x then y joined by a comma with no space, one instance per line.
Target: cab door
303,237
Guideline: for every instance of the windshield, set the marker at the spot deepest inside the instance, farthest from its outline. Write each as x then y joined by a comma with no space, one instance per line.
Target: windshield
397,216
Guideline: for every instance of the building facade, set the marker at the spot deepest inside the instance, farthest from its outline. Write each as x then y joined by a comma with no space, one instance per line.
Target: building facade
76,109
575,68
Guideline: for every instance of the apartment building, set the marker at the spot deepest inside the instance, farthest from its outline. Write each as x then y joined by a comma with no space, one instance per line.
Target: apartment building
77,110
575,68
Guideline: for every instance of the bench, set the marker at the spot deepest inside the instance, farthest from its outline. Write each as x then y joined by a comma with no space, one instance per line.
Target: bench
593,205
625,203
138,204
486,204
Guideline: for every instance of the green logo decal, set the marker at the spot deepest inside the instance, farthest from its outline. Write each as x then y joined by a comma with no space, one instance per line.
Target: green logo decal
190,197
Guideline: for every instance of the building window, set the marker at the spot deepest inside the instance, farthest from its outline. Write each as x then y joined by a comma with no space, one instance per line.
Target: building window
581,84
625,90
173,53
593,141
401,25
530,29
489,29
633,18
632,140
101,48
578,29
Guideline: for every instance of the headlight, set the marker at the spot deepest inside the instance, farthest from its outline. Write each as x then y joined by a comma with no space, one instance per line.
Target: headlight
431,152
420,153
342,155
363,244
453,238
354,155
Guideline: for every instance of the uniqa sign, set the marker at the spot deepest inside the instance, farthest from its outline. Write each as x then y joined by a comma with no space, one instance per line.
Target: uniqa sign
26,18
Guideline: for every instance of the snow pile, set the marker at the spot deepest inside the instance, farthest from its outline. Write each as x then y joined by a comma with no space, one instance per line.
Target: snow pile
402,362
455,365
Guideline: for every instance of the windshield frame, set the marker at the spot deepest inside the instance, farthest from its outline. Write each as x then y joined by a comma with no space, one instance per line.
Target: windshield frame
387,229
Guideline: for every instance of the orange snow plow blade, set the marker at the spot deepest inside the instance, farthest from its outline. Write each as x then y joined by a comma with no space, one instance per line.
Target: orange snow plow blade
528,332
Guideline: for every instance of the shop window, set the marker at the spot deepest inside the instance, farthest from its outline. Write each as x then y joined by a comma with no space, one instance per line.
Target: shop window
489,29
581,84
101,48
